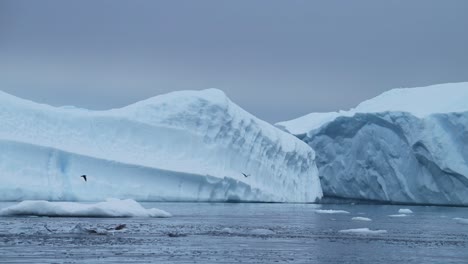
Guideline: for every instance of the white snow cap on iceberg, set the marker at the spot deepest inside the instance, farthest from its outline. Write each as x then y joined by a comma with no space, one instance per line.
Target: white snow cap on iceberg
109,208
419,101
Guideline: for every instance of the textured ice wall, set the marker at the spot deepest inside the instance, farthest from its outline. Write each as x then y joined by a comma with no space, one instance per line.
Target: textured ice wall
191,146
394,157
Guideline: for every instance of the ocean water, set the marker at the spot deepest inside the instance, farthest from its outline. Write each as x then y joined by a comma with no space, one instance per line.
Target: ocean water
244,233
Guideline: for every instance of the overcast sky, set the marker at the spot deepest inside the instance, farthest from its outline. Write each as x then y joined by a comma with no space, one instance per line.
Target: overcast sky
276,59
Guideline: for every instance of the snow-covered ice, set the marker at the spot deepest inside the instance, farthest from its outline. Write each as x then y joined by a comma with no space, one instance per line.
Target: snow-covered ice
363,231
405,145
405,211
398,215
329,211
227,230
360,218
109,208
181,146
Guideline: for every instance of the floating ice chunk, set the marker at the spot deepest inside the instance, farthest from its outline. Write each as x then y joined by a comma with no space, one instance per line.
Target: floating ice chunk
359,218
398,215
325,211
227,230
405,211
262,232
77,229
109,208
461,220
363,231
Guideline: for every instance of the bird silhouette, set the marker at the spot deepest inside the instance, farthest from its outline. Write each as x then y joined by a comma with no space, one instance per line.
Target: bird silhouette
245,175
84,177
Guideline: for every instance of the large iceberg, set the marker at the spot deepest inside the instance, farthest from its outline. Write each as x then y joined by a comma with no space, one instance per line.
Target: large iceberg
182,146
405,146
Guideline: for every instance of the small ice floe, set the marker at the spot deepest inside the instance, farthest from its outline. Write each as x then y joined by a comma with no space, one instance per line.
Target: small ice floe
363,231
323,211
459,220
405,211
78,229
227,230
398,215
262,232
359,218
109,208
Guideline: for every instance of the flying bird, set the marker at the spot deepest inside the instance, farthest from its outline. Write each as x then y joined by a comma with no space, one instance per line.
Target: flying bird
84,178
245,175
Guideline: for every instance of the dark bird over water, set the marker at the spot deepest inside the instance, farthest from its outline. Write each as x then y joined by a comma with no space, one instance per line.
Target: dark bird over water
245,175
84,177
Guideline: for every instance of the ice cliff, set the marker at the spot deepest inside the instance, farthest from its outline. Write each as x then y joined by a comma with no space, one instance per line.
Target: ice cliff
405,145
182,146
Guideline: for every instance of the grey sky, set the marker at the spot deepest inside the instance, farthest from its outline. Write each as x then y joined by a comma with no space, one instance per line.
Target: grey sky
276,59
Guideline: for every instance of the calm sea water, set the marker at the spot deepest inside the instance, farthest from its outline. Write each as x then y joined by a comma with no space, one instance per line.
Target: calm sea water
243,233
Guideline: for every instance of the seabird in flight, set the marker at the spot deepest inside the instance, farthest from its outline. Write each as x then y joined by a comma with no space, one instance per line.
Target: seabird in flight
245,175
84,177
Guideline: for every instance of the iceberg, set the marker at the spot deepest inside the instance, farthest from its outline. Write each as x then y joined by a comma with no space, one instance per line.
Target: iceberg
403,146
181,146
109,208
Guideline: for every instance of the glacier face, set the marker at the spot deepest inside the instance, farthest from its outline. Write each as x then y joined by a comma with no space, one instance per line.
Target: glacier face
182,146
406,145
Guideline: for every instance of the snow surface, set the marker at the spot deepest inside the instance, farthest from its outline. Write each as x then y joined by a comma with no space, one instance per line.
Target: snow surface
405,145
182,146
363,231
324,211
359,218
109,208
405,211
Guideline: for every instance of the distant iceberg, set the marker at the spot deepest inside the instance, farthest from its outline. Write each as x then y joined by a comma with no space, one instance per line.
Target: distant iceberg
359,218
330,211
109,208
405,145
363,231
181,146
